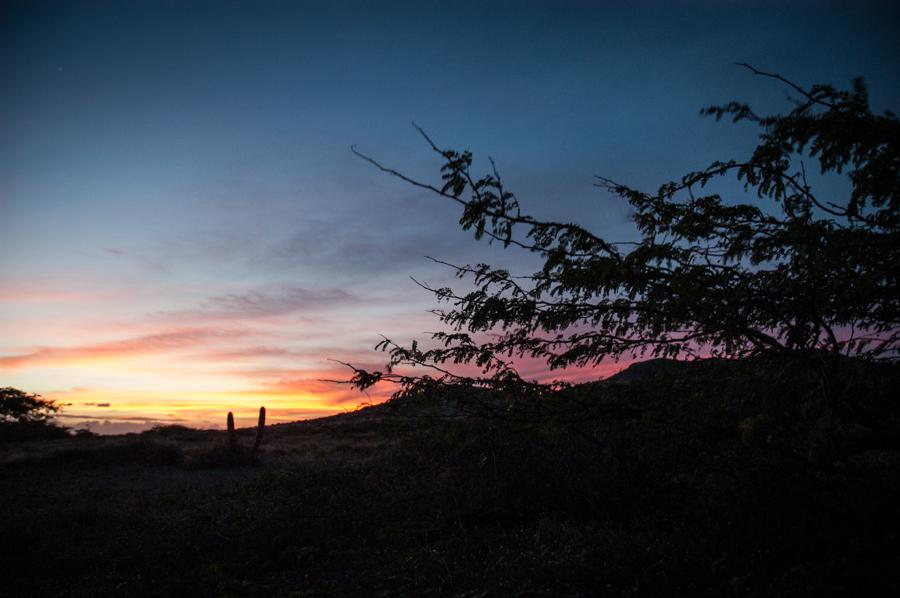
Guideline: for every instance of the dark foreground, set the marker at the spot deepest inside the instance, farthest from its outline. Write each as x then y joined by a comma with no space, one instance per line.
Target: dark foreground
698,480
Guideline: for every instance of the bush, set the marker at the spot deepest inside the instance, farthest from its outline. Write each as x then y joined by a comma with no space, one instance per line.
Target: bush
137,450
31,430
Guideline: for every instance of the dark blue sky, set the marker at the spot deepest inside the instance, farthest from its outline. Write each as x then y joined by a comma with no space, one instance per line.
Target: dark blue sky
193,158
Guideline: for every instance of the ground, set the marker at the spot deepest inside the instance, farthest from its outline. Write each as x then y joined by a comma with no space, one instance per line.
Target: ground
690,482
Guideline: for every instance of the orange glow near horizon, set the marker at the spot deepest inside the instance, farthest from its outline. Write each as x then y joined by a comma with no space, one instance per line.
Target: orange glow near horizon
125,378
117,367
160,383
114,411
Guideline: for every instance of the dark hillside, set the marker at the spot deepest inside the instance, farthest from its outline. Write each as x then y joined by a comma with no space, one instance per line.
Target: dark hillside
718,478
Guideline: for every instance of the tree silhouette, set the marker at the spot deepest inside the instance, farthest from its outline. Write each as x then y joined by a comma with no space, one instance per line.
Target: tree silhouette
26,416
20,406
790,273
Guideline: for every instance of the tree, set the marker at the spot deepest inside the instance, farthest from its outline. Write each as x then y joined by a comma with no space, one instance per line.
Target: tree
792,273
25,416
19,406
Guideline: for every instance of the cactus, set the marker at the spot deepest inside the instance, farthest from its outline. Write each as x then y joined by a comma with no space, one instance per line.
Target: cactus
259,429
232,437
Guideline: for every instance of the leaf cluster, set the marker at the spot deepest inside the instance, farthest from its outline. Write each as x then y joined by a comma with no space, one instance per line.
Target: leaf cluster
788,271
20,407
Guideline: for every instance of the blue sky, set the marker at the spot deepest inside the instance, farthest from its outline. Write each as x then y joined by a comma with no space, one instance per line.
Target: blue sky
184,229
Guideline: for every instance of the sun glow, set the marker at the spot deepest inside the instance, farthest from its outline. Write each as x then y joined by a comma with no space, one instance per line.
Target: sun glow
119,410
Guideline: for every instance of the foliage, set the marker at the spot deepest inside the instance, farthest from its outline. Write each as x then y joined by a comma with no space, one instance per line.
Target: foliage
25,416
788,271
136,449
19,406
179,433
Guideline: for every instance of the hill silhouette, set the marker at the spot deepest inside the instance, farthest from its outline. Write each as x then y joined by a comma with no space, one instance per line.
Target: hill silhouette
701,478
642,369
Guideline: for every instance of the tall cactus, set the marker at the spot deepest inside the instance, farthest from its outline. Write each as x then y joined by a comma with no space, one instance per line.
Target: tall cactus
232,434
232,437
259,429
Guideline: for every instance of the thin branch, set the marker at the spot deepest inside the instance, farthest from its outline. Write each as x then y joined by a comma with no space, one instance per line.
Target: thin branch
796,87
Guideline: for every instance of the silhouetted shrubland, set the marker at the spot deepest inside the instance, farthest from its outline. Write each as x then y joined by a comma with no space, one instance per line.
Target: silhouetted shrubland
717,478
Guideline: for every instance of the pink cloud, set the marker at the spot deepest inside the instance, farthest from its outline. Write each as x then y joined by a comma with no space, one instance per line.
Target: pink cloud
140,345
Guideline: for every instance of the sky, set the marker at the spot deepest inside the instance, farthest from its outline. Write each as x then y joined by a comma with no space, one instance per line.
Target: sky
184,230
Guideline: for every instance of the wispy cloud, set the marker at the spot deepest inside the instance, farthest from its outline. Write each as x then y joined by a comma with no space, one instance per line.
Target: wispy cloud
245,353
262,304
143,259
163,342
359,252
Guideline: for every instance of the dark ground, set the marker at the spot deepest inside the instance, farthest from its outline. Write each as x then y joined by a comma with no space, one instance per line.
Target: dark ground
702,479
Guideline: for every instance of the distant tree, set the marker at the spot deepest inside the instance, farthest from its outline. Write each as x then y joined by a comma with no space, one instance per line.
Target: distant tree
20,406
792,272
26,416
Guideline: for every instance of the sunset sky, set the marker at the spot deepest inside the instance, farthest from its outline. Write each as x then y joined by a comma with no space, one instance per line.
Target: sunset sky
184,230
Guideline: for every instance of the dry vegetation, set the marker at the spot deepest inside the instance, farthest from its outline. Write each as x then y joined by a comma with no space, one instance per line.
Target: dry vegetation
698,480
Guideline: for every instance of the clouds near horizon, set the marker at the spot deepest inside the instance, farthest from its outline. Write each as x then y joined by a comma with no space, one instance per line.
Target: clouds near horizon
183,228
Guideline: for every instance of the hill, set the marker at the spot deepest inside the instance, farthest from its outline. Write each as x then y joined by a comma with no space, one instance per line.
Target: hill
706,478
